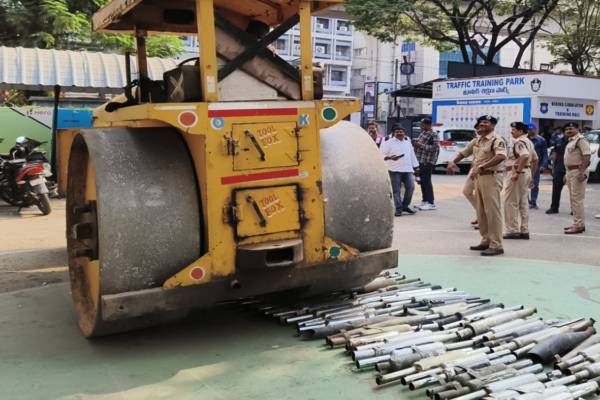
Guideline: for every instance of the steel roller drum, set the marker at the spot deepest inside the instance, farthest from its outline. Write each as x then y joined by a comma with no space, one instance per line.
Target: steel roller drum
148,210
359,205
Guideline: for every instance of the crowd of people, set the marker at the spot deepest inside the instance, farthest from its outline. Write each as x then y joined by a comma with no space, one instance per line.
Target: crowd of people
409,161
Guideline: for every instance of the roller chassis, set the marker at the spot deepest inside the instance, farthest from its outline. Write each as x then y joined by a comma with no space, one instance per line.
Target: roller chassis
218,273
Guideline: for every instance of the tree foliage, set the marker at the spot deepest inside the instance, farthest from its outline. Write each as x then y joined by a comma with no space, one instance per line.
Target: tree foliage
66,25
475,28
577,44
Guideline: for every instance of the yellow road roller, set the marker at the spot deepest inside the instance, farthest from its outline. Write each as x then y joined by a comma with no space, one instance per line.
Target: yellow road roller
231,177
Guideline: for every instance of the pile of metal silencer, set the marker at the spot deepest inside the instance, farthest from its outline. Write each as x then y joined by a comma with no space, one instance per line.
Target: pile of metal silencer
448,343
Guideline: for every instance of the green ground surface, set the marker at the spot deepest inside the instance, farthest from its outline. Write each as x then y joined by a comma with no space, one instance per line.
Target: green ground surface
235,355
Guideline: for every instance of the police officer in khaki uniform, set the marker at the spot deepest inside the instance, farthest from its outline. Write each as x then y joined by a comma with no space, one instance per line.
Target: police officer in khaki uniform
488,150
521,160
469,187
577,161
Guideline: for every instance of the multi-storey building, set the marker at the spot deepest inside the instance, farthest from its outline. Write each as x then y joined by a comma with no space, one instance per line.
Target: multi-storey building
332,47
375,61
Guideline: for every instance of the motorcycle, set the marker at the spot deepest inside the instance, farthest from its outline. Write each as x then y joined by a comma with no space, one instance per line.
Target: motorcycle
23,174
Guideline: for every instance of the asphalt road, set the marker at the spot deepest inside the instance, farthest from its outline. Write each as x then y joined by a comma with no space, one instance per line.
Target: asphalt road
447,230
225,354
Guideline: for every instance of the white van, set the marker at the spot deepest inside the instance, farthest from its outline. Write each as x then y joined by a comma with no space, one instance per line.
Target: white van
594,138
452,140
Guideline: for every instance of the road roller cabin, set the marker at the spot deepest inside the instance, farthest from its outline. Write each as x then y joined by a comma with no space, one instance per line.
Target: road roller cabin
230,178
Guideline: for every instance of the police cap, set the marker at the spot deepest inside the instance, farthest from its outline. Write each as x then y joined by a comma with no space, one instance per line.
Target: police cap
426,121
489,118
520,126
571,124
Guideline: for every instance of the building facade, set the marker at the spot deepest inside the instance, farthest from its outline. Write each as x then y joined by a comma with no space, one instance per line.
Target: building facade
332,47
375,61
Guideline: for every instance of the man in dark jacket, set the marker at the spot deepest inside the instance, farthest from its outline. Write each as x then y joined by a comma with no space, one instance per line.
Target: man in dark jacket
541,148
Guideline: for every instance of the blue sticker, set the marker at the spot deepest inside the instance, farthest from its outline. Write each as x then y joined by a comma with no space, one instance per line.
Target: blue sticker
304,120
217,123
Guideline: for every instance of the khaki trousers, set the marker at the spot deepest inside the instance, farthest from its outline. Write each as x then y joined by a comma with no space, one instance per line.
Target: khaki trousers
516,202
489,213
469,191
577,194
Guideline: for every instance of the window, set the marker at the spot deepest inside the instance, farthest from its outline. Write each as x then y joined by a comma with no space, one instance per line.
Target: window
359,72
459,135
282,46
323,25
360,52
593,137
296,48
338,77
357,93
343,51
322,48
447,56
412,46
342,27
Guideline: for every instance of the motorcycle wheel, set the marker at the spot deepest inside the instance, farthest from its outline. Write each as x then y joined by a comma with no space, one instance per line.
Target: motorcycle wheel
8,196
43,203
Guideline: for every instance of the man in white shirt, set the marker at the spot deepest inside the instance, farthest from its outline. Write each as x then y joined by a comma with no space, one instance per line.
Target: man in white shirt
401,161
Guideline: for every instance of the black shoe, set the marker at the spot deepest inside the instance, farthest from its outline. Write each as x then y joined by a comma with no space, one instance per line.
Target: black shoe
409,210
492,252
551,211
479,247
512,236
398,214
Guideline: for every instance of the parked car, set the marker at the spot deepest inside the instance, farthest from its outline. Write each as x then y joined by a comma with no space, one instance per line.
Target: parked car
452,140
593,137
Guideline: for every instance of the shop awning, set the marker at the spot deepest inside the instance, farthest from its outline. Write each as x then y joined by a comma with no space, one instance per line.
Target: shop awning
421,91
74,71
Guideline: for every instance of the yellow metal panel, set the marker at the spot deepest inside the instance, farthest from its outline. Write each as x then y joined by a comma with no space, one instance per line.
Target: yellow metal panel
208,52
63,151
196,273
268,210
206,128
306,56
278,141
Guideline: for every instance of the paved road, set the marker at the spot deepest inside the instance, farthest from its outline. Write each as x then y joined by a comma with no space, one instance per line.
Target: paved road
225,354
447,230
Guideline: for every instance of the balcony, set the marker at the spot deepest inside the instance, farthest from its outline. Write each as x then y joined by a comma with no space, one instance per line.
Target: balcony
322,49
338,78
342,28
283,46
296,47
343,51
323,25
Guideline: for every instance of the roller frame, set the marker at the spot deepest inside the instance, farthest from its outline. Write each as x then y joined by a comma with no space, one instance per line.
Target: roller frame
321,278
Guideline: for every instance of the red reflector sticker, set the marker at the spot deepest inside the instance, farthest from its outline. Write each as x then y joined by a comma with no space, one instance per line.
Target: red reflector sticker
197,273
263,176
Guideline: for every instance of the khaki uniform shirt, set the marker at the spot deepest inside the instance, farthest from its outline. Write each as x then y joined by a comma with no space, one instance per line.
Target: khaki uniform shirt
484,148
522,146
577,147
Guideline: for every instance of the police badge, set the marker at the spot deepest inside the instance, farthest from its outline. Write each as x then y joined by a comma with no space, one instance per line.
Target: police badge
544,108
536,85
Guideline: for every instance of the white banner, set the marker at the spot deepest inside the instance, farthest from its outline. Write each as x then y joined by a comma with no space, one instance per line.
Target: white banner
560,108
490,87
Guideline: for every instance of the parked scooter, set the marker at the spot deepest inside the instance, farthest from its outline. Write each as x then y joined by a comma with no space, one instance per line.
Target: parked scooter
23,174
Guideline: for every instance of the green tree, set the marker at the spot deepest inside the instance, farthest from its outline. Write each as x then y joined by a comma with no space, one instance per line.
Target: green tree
577,44
66,25
475,28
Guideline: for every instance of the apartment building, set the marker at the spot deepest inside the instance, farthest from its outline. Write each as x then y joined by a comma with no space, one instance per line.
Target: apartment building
332,47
